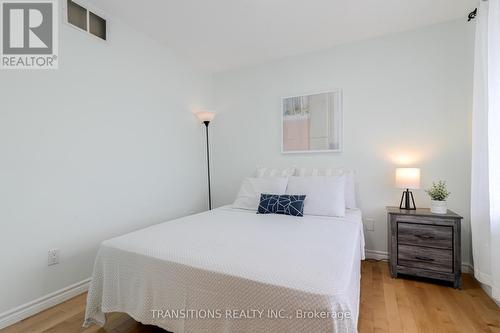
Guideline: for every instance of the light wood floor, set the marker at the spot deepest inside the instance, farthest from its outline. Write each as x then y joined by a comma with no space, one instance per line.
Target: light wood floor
387,305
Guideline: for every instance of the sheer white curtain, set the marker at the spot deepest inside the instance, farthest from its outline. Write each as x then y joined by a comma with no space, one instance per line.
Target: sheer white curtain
485,186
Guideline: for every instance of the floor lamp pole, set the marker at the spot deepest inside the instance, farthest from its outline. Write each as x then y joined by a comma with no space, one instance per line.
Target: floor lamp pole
208,167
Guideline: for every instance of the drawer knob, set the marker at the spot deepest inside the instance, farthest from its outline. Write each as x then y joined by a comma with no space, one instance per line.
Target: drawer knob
424,258
425,236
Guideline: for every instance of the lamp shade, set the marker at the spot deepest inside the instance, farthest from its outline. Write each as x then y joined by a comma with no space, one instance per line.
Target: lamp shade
205,116
408,178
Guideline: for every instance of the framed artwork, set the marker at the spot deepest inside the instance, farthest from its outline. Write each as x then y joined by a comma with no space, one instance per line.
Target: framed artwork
312,123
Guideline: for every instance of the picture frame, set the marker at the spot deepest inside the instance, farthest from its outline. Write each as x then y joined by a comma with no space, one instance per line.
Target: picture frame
312,123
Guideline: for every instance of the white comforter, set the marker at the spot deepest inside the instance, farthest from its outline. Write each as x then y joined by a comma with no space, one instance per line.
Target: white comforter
231,270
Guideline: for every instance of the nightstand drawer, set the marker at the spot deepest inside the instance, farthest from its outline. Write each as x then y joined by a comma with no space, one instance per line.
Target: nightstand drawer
425,258
425,235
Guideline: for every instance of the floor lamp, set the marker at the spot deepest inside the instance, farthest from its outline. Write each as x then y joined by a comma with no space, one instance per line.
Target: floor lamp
206,117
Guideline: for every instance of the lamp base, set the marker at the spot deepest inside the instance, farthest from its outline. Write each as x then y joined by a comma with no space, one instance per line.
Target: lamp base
405,201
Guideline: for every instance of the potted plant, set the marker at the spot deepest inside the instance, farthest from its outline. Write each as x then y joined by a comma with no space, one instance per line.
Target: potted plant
438,194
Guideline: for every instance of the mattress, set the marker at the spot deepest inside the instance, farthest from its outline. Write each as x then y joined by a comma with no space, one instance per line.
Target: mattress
231,270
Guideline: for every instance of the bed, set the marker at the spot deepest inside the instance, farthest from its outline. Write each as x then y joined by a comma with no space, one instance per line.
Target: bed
231,270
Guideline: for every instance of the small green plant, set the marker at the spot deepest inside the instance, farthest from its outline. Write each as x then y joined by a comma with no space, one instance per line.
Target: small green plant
438,191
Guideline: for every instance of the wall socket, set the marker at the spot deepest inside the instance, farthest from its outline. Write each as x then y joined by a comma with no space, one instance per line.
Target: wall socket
369,224
53,257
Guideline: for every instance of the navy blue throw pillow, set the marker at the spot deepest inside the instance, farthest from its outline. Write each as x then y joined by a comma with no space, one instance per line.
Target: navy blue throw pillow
281,204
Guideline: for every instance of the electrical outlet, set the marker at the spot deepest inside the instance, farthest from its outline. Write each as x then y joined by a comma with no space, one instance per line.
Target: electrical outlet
53,257
369,224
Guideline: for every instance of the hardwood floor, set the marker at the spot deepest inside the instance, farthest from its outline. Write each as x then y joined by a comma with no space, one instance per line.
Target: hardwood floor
387,305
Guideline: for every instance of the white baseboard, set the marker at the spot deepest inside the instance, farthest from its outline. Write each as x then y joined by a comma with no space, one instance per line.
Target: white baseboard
384,255
29,309
377,255
495,295
467,268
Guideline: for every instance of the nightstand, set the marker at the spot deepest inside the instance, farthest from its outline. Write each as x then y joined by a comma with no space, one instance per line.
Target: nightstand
425,244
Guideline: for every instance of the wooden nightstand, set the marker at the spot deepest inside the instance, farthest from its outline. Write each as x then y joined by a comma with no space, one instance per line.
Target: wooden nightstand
425,244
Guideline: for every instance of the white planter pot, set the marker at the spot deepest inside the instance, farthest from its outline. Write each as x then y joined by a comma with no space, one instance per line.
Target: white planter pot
439,207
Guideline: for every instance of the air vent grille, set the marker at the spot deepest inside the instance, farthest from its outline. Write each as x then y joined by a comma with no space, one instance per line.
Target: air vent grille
85,20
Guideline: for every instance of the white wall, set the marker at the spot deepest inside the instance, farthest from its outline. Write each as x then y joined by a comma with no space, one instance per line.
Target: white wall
104,145
407,100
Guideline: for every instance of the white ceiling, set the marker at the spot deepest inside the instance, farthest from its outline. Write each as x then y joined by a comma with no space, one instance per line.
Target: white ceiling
224,34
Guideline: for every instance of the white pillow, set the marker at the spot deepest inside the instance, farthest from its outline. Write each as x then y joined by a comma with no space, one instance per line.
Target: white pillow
249,194
262,172
324,195
350,182
350,190
303,172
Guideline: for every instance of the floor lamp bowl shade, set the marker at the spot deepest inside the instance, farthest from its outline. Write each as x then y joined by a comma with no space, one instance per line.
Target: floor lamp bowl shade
204,116
408,178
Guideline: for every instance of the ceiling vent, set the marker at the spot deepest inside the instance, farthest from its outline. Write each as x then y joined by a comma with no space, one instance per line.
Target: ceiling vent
86,20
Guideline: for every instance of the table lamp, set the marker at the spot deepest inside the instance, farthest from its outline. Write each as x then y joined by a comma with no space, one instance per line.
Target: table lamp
407,179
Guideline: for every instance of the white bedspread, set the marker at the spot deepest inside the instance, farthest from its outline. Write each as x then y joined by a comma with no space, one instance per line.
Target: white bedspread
232,270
